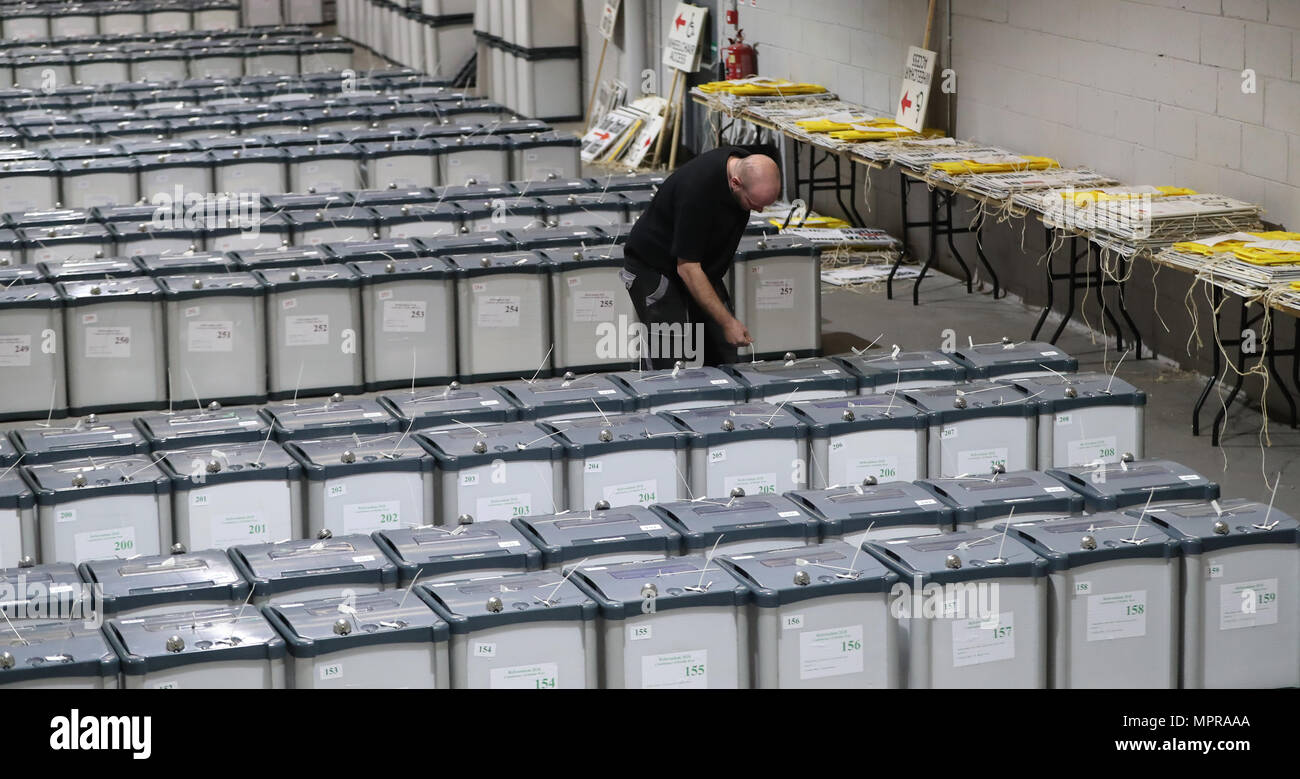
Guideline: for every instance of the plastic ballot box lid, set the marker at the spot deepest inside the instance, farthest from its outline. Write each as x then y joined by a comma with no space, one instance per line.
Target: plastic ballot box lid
485,192
568,394
7,453
395,196
471,604
76,479
49,217
85,269
564,186
703,522
405,211
299,201
619,182
187,637
1112,486
961,556
594,436
85,292
1081,390
464,447
887,369
274,569
1204,527
229,462
482,244
571,536
337,216
780,576
433,553
856,507
551,238
67,438
199,285
693,581
326,625
972,400
452,405
1073,542
48,649
988,361
214,424
681,385
776,379
282,257
327,459
742,422
977,498
42,592
761,247
378,262
311,277
836,416
155,580
607,256
332,416
196,262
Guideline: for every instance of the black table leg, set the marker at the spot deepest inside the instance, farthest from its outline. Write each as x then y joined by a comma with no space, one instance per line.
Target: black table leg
1216,298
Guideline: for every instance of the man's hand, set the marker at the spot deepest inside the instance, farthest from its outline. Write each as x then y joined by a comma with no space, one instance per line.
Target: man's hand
736,333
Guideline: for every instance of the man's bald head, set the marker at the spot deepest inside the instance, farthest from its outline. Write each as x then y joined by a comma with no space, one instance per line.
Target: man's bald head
756,180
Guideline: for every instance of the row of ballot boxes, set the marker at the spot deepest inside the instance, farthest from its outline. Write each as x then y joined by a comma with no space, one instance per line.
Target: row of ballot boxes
456,452
273,154
106,63
1187,593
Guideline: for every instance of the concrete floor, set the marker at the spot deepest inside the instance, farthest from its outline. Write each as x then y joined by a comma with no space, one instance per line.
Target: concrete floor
854,318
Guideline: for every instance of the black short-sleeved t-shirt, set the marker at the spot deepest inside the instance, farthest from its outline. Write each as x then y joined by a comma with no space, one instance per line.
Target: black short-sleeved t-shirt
693,217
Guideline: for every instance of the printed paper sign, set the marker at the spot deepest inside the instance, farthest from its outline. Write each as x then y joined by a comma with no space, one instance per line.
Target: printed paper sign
1117,615
981,460
975,641
682,51
101,544
504,506
15,351
833,652
331,671
403,316
211,337
235,529
637,493
593,307
1090,450
752,484
638,632
775,294
108,342
608,17
1248,604
541,676
678,670
369,517
883,467
914,99
498,311
307,330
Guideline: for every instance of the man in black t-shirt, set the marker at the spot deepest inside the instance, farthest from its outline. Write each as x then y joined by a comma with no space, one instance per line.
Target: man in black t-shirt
681,249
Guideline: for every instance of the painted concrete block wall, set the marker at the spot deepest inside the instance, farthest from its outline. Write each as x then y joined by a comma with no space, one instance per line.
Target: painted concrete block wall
1147,91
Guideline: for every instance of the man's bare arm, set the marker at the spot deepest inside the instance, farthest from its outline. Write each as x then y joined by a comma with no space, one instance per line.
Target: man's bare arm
702,290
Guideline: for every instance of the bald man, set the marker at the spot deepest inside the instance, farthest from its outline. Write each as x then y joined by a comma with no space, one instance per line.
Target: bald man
681,249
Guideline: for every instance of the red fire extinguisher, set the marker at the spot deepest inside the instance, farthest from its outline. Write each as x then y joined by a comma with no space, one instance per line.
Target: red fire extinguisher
739,56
